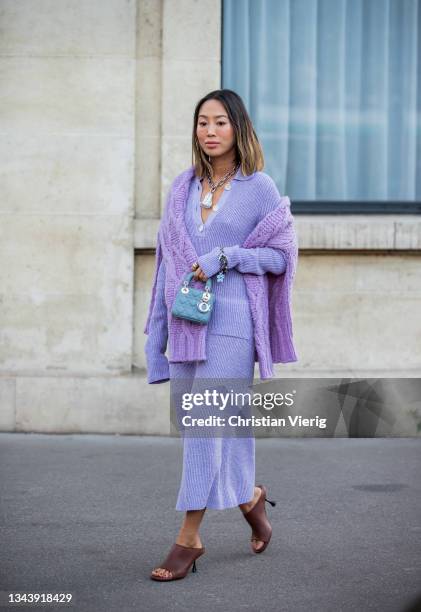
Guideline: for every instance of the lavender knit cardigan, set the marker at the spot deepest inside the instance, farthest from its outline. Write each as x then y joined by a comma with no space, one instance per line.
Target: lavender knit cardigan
269,294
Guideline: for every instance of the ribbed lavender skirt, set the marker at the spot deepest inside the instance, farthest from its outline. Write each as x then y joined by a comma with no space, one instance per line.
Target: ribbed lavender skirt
218,472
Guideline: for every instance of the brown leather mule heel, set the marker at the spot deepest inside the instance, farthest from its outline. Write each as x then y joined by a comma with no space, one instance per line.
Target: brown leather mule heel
258,520
178,562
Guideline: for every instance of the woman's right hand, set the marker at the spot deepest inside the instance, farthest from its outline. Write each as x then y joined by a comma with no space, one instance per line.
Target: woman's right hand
199,274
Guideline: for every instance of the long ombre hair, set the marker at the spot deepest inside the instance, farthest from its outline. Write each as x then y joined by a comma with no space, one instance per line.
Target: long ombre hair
248,151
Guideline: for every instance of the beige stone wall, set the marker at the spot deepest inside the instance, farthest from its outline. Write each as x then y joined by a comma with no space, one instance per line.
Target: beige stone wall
66,232
96,112
357,313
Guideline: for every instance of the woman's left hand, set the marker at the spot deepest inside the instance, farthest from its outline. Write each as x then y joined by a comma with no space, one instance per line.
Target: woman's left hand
199,274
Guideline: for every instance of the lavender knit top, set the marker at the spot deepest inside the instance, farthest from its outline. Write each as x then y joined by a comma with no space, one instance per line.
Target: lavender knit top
228,226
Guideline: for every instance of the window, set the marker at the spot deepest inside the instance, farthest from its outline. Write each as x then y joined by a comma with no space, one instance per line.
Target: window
333,88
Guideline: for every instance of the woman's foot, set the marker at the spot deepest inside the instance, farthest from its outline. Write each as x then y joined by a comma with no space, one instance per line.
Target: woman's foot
185,539
256,544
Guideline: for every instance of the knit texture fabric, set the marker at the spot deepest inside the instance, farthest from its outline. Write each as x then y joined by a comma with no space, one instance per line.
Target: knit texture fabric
236,216
269,294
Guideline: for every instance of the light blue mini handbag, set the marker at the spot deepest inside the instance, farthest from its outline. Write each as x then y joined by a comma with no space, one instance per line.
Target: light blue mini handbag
193,304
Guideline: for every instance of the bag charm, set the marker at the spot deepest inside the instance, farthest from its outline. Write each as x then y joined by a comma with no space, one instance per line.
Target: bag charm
223,266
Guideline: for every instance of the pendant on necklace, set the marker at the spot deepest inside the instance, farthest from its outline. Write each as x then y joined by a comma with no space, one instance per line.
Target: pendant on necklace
207,200
228,186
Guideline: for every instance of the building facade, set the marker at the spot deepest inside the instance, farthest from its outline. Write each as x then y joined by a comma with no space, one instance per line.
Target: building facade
96,122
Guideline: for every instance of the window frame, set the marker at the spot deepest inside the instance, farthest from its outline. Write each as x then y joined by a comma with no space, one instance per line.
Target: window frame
355,207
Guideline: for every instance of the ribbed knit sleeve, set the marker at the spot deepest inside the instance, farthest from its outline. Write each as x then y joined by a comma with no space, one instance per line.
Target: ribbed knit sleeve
156,344
254,261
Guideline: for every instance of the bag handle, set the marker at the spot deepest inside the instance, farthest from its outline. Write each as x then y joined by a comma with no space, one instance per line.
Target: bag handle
188,277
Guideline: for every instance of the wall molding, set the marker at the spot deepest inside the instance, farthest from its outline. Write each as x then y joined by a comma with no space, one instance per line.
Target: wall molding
330,232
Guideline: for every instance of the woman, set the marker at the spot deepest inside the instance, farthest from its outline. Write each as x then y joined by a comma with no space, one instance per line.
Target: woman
224,219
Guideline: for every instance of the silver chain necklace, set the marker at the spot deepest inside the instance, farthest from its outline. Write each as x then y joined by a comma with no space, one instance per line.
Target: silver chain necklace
207,200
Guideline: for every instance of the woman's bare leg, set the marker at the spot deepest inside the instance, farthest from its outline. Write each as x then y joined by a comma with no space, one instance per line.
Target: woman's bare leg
256,544
187,536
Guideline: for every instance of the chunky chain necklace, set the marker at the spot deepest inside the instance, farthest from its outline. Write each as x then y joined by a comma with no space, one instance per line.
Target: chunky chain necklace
207,200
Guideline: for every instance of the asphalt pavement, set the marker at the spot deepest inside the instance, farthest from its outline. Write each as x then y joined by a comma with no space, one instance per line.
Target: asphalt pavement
91,515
